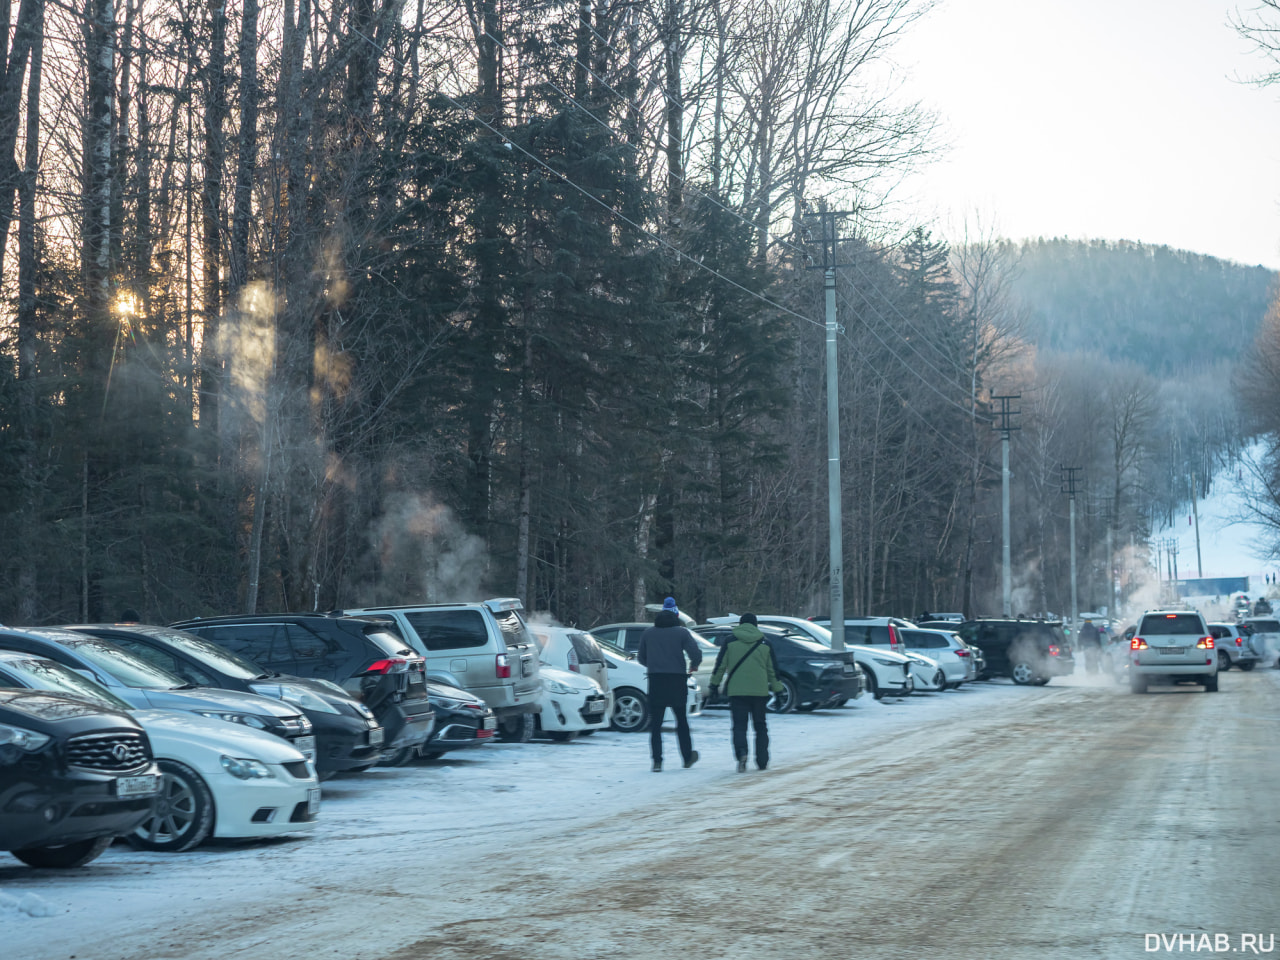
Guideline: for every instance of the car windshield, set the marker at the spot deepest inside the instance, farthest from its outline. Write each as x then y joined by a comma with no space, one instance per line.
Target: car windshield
130,670
40,674
216,658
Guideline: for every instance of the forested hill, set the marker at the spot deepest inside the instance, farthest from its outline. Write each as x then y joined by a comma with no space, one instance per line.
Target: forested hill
1162,308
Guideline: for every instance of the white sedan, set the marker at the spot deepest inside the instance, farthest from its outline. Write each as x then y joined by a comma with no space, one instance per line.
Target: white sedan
218,779
571,703
629,684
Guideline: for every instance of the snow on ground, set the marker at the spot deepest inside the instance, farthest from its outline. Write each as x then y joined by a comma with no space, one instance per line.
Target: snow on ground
378,828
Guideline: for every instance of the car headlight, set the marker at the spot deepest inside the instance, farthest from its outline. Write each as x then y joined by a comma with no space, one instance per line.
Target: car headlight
449,703
555,686
298,696
886,663
28,741
245,769
248,719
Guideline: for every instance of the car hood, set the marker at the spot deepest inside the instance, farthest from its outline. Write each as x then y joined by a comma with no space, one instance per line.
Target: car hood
208,699
574,680
880,652
176,734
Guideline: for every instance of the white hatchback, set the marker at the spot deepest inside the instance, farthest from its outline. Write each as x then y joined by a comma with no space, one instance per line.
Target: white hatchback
571,703
629,684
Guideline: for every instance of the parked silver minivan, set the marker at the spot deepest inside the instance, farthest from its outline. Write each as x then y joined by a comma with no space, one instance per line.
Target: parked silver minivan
486,645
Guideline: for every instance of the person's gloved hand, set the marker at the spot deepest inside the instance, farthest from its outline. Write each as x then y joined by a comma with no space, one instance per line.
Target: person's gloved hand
715,692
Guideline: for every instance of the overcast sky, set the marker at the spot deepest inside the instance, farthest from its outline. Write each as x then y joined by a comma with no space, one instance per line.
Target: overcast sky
1113,119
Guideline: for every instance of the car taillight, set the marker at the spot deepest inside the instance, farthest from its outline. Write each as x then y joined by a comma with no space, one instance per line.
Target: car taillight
893,638
502,666
1053,650
573,661
1206,643
962,653
390,665
1137,643
1239,641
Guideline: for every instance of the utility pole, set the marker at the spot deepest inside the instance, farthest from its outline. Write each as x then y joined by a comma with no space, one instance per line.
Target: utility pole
1069,488
1108,517
1006,572
1195,512
830,244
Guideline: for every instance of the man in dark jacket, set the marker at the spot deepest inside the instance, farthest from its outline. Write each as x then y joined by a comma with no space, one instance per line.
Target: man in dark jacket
745,666
663,648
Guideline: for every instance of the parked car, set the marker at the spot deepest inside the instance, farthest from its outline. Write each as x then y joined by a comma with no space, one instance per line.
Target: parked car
1026,651
486,645
1172,646
365,656
571,704
74,775
976,657
812,675
217,778
872,631
626,636
1265,637
142,684
629,684
462,719
1262,607
573,650
887,674
347,733
952,655
1234,643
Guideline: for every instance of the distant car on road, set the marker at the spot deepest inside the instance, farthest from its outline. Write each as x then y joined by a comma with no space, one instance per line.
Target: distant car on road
1172,646
1234,643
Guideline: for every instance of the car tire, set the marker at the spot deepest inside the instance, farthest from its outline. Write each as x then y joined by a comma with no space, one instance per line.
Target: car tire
1040,681
63,856
432,754
183,816
1248,665
1211,684
517,729
1137,684
872,687
398,758
784,702
1224,661
840,703
940,680
630,711
1022,673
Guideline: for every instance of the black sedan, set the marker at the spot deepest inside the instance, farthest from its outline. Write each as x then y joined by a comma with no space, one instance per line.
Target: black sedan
73,776
462,719
348,735
813,675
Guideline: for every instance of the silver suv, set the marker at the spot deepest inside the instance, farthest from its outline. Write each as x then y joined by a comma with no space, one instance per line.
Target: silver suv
1171,646
486,646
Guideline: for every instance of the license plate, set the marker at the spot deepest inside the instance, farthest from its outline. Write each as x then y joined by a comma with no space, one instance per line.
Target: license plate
376,736
490,723
1173,650
595,708
137,786
313,800
847,670
306,746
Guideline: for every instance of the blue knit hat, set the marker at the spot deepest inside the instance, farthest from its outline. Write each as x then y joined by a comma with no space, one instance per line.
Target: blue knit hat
670,604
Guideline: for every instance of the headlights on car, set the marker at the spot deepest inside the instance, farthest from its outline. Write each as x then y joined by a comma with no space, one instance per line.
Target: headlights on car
248,719
298,696
449,703
886,663
24,740
245,769
555,686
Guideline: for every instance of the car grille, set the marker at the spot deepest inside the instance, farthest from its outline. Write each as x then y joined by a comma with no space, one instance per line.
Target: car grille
113,751
295,726
298,769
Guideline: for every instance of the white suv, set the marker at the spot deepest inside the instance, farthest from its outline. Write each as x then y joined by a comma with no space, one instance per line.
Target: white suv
1171,646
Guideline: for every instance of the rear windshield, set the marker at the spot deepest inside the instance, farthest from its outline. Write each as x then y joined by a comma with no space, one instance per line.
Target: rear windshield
924,640
513,628
449,629
386,641
1188,624
1265,626
585,646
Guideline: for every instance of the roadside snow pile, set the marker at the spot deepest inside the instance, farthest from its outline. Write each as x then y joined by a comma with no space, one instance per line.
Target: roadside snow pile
28,905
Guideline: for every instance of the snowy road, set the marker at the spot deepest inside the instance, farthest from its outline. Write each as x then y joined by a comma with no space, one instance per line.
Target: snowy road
991,822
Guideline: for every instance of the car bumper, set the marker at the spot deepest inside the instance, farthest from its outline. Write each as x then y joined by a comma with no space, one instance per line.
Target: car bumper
263,808
37,813
1200,669
408,724
575,712
345,742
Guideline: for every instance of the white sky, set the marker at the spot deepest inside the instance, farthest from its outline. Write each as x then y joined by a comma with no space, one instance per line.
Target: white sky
1113,119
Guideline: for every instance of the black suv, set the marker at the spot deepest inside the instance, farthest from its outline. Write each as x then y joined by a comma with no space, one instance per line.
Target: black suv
348,734
1027,651
366,656
813,675
74,775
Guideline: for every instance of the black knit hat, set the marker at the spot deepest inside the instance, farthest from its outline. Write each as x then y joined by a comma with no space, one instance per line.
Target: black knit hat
748,618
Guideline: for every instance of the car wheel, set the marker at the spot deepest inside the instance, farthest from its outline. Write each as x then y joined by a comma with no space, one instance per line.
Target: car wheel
940,680
1040,681
1224,661
1211,684
630,711
517,729
872,687
1023,673
1248,665
840,703
432,754
64,855
1137,684
397,758
183,815
785,701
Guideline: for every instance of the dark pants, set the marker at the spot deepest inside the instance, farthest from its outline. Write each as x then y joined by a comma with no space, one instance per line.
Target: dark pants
740,708
669,690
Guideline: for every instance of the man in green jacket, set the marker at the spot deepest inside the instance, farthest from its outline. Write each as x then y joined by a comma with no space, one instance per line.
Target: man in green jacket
746,665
